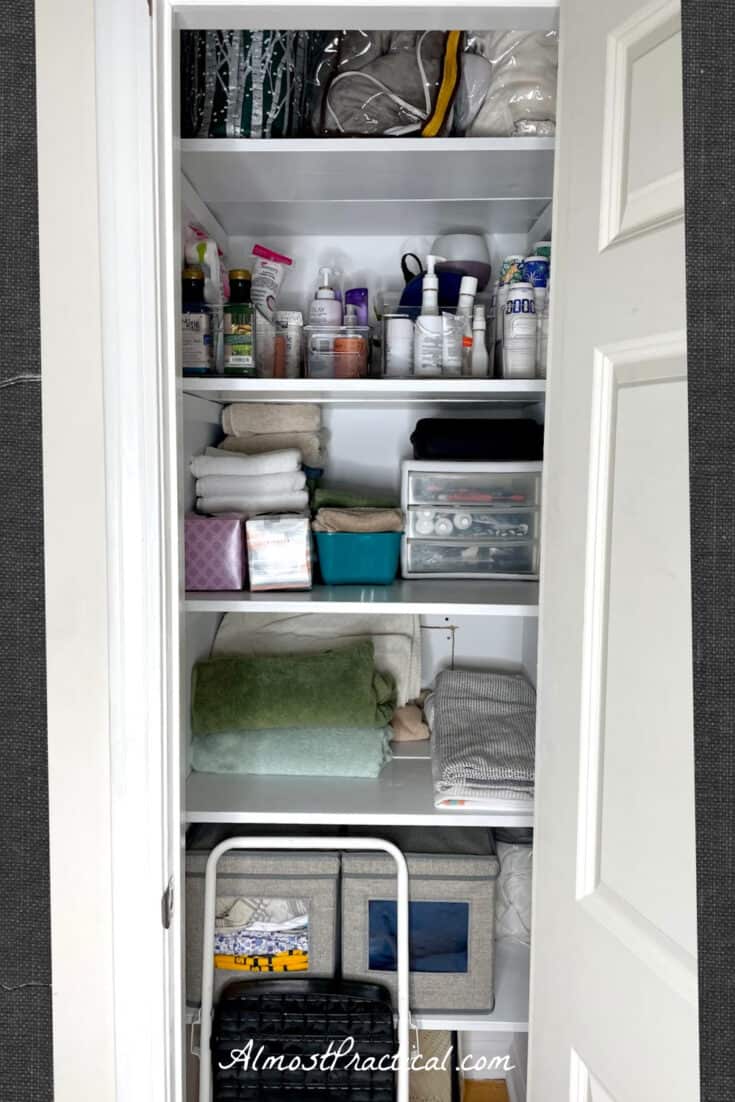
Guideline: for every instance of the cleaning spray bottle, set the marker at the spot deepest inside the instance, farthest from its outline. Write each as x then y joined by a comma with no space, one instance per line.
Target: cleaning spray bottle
427,341
467,292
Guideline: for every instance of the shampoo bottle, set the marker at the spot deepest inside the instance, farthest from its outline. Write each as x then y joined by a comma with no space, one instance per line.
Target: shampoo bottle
427,342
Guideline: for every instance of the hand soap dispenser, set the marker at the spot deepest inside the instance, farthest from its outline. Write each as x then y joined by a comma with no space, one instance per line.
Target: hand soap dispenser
326,308
427,341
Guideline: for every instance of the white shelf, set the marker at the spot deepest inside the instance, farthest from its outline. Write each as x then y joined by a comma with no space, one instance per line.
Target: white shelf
371,185
361,391
464,597
402,796
510,1014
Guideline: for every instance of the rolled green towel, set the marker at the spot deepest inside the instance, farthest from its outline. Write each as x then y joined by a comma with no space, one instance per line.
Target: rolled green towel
338,688
345,498
311,752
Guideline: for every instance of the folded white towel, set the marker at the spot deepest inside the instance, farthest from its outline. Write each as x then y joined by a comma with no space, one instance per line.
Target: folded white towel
232,485
311,445
253,505
261,417
215,461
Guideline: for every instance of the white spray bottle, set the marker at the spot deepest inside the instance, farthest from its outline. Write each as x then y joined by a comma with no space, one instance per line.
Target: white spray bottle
427,341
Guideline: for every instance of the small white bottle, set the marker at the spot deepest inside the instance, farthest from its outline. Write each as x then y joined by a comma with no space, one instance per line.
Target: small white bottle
479,350
326,308
467,292
427,342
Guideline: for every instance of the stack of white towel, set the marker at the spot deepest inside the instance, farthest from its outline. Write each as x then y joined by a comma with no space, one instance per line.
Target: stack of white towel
254,428
250,485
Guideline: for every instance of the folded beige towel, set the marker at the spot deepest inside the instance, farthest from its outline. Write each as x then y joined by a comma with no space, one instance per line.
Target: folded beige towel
311,445
408,725
253,505
232,485
265,417
358,520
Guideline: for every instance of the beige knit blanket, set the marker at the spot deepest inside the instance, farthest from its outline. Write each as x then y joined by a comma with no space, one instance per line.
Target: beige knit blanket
358,520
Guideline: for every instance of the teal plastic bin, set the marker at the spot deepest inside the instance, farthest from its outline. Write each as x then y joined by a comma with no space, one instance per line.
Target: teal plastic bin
369,558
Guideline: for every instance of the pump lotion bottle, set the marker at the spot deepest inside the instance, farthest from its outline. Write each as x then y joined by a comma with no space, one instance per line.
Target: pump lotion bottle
427,340
326,308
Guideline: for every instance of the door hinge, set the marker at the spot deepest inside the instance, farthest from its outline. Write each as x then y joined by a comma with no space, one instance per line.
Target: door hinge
167,905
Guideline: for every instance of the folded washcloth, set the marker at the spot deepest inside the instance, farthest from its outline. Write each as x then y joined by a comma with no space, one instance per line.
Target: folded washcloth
408,724
483,735
310,445
215,462
346,498
254,504
358,520
268,417
308,752
338,688
232,485
396,638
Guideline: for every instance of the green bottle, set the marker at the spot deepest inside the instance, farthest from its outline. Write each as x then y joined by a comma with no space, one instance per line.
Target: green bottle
238,319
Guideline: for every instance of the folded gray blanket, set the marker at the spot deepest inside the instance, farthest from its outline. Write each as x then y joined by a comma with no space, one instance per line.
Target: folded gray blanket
484,733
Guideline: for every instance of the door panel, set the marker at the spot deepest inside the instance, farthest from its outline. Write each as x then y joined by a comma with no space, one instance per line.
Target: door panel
614,956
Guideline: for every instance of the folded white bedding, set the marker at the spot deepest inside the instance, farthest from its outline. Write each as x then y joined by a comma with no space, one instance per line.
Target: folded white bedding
216,462
232,485
253,505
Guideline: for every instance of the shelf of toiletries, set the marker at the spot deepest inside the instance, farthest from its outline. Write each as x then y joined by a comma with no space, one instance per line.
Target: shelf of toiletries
479,597
374,390
403,794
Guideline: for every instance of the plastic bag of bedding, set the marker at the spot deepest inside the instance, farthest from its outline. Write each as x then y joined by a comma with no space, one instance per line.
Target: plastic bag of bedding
507,86
386,83
247,84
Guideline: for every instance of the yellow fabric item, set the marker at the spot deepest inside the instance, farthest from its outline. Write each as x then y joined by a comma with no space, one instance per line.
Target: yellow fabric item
447,88
484,1090
293,960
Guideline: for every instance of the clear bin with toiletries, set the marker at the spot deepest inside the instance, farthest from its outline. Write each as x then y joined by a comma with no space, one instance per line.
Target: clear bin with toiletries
502,485
471,558
336,351
471,520
425,522
445,344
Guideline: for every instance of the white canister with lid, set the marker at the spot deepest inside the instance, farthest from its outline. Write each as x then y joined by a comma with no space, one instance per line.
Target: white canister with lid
519,333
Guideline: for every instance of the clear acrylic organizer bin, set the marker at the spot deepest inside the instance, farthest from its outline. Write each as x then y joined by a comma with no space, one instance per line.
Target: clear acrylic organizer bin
336,351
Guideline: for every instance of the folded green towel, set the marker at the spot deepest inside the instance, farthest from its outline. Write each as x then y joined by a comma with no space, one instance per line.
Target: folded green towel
338,688
311,752
345,498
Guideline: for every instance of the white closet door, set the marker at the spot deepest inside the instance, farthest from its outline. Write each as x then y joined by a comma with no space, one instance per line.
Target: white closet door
614,982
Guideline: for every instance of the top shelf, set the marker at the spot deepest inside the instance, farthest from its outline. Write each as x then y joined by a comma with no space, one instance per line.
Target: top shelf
310,182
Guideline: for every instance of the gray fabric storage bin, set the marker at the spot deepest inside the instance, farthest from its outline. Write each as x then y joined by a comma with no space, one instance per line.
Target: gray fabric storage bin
463,870
271,875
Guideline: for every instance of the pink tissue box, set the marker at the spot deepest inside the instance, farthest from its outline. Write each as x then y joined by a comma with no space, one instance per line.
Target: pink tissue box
214,552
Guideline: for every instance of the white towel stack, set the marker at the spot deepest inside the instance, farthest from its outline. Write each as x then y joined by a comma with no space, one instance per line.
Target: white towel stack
257,428
250,485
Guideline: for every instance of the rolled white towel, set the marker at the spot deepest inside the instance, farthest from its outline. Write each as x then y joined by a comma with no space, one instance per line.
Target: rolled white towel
268,485
264,417
252,506
215,461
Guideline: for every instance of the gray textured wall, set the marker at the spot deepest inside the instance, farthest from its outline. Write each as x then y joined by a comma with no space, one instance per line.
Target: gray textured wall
25,959
709,134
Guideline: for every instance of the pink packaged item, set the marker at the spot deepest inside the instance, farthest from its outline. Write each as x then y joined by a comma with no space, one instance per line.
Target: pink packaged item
214,552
